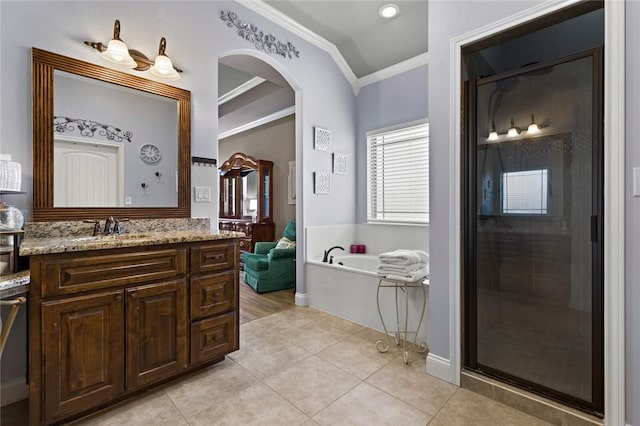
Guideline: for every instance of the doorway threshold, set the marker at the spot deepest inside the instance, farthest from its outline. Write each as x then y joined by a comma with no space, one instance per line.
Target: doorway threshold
545,409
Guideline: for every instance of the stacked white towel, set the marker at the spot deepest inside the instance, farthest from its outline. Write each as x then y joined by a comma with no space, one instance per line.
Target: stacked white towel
404,265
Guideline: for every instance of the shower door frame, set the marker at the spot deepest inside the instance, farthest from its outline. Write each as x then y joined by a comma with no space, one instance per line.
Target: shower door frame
596,406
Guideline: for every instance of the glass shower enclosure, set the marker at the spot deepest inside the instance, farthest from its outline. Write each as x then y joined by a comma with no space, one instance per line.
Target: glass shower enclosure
533,245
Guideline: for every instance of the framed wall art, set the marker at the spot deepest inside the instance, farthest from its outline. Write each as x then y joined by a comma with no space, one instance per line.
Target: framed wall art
321,139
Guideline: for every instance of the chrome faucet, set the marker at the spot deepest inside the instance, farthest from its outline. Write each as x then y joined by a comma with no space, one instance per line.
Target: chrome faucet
96,226
326,258
109,225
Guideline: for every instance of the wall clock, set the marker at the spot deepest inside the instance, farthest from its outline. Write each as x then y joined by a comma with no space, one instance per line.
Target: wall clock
150,153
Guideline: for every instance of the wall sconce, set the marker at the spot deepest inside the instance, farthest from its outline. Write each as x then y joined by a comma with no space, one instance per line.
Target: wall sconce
513,131
493,136
533,127
116,52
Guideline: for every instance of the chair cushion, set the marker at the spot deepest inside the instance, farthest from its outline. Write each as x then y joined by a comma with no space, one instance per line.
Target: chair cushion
284,242
290,230
256,262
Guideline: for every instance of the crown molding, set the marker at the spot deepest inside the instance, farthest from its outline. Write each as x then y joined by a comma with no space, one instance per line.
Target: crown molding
277,17
259,122
243,88
393,70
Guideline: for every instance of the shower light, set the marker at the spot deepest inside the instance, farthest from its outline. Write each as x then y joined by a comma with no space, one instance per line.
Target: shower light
533,127
513,131
493,135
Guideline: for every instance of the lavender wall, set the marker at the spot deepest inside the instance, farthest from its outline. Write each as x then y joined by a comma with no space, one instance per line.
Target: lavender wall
400,99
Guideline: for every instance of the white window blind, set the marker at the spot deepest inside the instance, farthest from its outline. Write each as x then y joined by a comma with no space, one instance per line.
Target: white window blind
398,174
525,192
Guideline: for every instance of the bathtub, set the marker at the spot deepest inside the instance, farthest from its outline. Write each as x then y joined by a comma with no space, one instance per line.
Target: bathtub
348,288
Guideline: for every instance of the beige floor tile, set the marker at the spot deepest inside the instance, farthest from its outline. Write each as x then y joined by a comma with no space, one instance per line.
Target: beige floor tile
155,409
255,405
264,360
357,356
411,384
315,336
343,325
468,408
372,336
256,332
198,392
312,384
367,405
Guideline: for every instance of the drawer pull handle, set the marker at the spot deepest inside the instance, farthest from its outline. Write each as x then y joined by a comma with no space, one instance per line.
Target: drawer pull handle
118,297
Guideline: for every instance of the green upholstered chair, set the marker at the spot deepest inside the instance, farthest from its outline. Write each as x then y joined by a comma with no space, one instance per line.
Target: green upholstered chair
270,268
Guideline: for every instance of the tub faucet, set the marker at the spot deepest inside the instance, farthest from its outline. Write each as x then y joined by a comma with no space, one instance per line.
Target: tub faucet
325,259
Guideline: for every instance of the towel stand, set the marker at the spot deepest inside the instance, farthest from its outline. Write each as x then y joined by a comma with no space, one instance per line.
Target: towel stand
15,306
400,332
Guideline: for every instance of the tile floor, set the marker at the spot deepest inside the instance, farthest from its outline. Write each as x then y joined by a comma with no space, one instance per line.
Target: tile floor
304,367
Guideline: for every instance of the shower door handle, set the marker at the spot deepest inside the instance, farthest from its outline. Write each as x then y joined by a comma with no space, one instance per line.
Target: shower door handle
594,229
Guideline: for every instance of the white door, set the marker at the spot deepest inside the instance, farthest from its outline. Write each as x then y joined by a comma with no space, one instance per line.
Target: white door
87,174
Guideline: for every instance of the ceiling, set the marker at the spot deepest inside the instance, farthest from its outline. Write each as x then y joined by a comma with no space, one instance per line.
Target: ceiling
368,42
363,44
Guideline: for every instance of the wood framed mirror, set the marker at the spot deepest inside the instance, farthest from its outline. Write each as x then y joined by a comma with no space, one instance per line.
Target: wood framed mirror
45,66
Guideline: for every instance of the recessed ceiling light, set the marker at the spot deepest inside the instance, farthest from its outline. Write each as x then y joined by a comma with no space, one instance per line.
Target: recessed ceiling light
389,10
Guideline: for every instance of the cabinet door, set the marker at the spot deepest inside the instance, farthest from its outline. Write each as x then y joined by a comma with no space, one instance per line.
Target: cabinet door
83,352
156,332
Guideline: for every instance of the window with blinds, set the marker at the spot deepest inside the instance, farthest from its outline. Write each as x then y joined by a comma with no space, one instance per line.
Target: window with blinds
525,192
398,174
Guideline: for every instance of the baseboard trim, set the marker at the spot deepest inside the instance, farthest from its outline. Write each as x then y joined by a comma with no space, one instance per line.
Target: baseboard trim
302,299
439,367
13,390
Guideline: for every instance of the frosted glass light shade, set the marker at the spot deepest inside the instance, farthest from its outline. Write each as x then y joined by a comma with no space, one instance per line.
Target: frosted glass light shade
117,53
163,68
493,136
533,128
513,132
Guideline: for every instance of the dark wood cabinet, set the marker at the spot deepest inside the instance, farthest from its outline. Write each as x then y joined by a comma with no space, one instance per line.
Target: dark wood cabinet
83,352
215,299
156,332
106,324
246,199
254,232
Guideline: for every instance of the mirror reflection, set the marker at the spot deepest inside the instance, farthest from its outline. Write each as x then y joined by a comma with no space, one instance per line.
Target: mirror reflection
113,146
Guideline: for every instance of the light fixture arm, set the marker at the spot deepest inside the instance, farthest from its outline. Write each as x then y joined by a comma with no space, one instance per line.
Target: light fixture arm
116,30
163,46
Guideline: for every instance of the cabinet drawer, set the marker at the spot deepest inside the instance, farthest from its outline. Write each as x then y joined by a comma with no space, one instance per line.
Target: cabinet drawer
213,257
213,294
213,338
62,275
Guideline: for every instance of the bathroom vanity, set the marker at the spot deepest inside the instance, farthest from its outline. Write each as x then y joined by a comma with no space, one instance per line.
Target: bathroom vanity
111,316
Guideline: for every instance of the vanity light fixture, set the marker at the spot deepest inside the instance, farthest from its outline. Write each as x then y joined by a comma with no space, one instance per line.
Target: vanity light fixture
513,131
533,127
116,52
493,135
388,11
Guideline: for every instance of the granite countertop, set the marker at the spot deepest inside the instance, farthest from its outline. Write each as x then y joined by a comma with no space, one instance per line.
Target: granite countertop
36,246
14,284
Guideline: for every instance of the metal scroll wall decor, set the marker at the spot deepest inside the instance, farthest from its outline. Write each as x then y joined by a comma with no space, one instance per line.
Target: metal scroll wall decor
89,128
260,40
